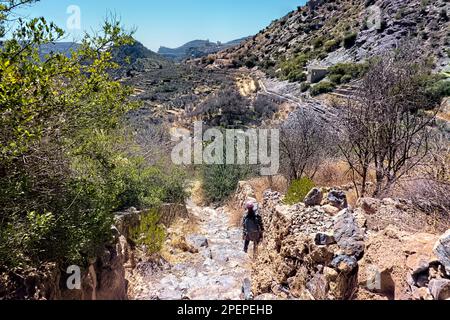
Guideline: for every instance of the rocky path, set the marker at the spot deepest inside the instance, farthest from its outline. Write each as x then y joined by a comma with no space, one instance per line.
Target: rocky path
216,271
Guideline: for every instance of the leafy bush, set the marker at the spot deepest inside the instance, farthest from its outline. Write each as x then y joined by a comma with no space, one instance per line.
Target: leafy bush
148,186
220,181
298,190
335,78
305,86
251,62
350,39
345,72
318,42
322,87
332,45
149,233
293,69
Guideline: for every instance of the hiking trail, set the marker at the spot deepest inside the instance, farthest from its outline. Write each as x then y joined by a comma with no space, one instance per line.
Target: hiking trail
216,272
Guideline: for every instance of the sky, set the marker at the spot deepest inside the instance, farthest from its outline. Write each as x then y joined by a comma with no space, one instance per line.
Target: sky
168,23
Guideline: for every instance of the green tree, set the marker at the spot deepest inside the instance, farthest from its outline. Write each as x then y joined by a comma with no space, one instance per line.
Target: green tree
65,161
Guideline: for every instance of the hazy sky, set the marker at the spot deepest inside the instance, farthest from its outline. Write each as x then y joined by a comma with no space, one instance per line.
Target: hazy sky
171,23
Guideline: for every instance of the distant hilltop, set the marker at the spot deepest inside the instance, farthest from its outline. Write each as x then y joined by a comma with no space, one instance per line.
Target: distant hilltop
197,49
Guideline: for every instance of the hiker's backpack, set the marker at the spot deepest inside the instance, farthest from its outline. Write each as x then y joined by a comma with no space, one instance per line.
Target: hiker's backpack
252,228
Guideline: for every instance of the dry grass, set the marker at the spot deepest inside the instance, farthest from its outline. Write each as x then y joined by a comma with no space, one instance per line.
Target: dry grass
197,194
333,174
236,214
262,184
176,239
352,197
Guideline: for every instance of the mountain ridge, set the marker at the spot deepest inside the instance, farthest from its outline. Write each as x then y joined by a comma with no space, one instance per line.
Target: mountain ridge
197,48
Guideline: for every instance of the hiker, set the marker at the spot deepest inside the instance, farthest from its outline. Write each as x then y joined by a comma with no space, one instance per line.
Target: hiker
253,228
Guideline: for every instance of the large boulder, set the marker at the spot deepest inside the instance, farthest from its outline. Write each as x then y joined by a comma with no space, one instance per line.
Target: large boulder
318,287
313,198
338,199
440,289
348,235
442,250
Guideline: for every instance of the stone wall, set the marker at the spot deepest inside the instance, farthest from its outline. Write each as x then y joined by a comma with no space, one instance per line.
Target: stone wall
103,279
323,252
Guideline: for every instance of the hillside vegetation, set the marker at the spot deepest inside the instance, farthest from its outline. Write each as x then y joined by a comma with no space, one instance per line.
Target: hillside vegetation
327,32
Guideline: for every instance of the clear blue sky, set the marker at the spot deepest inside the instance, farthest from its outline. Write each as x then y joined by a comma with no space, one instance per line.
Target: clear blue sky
171,23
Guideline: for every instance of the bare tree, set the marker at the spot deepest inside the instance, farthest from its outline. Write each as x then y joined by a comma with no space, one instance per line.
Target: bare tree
385,126
303,144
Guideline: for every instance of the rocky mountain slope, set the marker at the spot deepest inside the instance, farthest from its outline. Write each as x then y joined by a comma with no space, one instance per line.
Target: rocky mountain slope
136,57
326,32
196,49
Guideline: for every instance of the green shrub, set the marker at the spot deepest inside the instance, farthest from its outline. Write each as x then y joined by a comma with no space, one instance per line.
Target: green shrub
298,190
438,88
305,86
346,78
150,233
293,69
220,181
350,39
345,72
251,62
322,87
66,163
145,186
332,45
335,78
318,42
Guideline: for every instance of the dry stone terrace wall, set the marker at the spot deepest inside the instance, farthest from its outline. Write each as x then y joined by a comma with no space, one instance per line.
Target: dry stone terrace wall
320,253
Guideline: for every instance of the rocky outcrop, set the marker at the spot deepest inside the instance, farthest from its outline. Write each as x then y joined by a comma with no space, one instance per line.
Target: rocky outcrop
104,278
348,235
401,265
